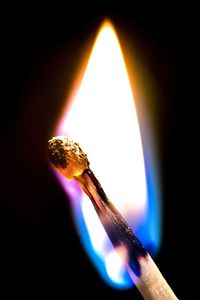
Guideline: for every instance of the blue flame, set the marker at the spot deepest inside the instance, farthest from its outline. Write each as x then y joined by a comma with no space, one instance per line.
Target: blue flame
148,231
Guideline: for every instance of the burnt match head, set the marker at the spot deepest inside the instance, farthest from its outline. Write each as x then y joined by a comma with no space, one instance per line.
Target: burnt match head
67,157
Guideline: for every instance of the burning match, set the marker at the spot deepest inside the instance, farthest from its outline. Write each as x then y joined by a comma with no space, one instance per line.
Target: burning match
71,162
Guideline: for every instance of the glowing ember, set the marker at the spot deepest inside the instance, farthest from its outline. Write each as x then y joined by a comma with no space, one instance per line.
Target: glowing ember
102,118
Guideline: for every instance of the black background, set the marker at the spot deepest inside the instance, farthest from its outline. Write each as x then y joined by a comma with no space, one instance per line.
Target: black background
40,250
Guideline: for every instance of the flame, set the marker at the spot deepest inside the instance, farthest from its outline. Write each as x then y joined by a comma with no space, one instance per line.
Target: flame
102,118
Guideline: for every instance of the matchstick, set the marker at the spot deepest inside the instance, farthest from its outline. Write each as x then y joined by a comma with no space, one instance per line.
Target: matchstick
70,161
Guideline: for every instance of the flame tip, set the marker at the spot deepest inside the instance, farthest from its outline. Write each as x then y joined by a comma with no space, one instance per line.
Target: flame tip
107,24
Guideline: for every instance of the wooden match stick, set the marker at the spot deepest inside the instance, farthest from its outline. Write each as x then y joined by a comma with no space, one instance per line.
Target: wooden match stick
70,161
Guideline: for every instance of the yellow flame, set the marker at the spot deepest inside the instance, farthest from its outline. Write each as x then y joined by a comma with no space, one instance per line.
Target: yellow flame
102,118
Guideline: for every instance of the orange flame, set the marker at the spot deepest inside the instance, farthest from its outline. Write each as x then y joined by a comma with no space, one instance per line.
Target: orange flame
103,119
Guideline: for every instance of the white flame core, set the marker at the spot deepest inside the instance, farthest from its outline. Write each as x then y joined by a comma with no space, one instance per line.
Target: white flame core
102,118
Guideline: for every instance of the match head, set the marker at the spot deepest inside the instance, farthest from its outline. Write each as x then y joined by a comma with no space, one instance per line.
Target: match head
67,157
